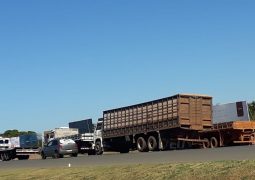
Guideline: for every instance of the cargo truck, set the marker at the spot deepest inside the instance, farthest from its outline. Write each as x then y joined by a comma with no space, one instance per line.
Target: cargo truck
156,125
177,122
19,147
6,152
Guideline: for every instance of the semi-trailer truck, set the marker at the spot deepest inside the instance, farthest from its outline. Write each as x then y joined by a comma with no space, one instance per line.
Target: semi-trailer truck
176,122
155,125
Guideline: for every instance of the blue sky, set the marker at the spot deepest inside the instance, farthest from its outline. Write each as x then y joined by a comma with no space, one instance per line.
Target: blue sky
62,61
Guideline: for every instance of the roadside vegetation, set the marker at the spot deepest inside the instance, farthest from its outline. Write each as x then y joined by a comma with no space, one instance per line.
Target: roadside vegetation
211,170
252,110
15,133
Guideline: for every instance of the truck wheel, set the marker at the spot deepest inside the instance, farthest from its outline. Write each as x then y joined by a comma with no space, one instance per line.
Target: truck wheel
214,142
2,157
5,157
141,144
206,144
165,144
98,148
152,143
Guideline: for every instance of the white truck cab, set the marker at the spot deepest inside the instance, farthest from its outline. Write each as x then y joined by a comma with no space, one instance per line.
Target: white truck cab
98,142
5,143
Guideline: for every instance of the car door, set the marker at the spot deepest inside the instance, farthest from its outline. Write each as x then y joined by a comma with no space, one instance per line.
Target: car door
53,147
47,149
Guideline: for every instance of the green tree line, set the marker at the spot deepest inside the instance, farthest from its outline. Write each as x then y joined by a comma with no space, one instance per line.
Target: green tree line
15,133
252,110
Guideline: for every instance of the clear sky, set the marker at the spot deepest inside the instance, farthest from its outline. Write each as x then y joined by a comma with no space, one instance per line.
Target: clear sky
62,61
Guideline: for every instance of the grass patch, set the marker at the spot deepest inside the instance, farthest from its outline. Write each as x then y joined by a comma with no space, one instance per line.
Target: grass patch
186,171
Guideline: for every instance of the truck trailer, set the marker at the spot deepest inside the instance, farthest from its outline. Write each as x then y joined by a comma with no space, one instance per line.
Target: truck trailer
176,122
156,125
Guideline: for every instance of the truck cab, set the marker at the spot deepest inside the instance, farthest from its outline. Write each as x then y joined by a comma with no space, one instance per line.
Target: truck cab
98,140
5,143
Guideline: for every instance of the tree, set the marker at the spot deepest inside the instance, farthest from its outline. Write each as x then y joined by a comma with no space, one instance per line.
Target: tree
11,133
16,133
252,110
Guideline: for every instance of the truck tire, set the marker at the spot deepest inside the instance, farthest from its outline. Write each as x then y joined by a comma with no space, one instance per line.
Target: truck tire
214,142
2,157
152,143
141,144
5,156
206,144
98,148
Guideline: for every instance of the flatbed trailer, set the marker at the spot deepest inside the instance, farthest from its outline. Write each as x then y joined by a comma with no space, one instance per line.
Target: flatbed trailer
24,153
229,133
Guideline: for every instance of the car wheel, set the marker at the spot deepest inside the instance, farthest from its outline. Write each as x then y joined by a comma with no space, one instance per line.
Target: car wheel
98,148
56,155
43,155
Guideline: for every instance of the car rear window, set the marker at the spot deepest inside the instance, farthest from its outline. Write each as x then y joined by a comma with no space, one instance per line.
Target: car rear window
66,141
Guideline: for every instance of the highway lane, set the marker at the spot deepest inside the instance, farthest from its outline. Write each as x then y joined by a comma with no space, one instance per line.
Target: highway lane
177,156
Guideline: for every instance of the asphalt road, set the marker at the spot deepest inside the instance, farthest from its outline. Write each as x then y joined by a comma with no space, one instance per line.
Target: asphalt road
178,156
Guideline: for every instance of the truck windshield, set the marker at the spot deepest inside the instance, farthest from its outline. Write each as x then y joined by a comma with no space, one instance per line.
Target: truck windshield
99,126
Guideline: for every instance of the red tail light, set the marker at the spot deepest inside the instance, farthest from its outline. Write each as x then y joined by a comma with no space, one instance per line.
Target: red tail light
60,146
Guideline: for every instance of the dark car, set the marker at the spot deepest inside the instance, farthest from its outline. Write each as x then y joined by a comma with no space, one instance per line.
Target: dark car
58,148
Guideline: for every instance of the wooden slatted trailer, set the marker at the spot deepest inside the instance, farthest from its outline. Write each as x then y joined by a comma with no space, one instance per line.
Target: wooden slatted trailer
159,124
229,133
